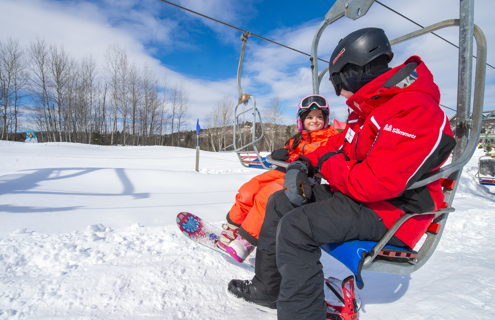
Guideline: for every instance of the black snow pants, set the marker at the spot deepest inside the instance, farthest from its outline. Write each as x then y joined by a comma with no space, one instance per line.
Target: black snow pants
288,254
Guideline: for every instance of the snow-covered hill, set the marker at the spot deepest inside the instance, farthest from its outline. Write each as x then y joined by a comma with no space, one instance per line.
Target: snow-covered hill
88,232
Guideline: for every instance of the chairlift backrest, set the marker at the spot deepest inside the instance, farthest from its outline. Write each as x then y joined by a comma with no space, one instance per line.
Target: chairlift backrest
487,166
486,170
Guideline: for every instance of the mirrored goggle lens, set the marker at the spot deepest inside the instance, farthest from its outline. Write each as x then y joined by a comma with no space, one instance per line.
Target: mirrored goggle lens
320,101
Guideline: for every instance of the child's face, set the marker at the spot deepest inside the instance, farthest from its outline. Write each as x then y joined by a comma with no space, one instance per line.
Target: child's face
314,120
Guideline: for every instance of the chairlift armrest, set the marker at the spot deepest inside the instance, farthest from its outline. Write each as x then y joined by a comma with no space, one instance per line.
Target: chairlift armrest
390,233
446,171
276,162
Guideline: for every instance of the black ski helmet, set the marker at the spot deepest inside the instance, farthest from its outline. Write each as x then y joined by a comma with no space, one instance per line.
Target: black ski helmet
355,52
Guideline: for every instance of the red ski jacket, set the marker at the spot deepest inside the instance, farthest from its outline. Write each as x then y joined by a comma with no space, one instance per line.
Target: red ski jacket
404,135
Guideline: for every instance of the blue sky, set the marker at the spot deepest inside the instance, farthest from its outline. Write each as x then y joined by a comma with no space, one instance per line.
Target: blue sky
203,55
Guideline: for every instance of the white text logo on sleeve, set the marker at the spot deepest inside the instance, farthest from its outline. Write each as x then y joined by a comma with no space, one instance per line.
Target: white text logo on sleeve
388,127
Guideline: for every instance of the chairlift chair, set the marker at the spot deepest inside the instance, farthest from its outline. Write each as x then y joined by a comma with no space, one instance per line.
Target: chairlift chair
378,256
248,153
486,170
486,163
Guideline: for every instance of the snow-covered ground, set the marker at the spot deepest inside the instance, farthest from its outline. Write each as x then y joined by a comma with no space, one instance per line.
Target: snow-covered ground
88,232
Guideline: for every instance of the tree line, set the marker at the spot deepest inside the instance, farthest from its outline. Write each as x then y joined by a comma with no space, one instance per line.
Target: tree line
68,100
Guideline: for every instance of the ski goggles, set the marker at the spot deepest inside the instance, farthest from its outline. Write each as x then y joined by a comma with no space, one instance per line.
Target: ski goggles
312,101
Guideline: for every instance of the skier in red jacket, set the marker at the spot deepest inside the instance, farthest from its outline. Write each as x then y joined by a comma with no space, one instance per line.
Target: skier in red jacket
402,135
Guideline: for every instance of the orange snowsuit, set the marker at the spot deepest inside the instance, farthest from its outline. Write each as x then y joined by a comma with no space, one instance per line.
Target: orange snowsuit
248,211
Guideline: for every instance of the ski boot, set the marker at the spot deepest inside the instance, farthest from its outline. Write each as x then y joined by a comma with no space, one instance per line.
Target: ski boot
245,290
239,249
229,233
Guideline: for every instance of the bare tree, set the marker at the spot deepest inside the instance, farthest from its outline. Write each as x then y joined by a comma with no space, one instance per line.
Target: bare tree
213,121
151,101
116,69
135,92
174,106
165,117
183,108
218,120
39,66
100,119
226,111
59,66
13,79
125,100
272,114
152,104
104,127
88,74
71,97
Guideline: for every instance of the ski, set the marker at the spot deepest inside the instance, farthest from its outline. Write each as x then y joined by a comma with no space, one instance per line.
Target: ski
200,231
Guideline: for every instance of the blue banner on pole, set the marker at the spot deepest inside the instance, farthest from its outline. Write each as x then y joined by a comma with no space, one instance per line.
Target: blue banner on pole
198,128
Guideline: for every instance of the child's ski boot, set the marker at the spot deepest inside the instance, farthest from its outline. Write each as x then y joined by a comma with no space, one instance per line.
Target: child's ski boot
229,233
239,249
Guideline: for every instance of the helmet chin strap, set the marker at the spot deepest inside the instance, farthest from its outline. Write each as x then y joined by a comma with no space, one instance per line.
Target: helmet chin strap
358,84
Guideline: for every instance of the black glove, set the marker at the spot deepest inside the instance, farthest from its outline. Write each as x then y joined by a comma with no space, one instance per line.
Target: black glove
280,154
296,183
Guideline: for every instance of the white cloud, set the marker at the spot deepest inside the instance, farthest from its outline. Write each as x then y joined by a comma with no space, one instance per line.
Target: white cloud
81,30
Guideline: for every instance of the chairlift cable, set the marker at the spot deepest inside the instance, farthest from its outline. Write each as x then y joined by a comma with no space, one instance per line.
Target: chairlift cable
441,105
400,14
234,27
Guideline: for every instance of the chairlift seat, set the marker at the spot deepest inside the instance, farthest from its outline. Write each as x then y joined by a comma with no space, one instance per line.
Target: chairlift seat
487,181
387,258
353,253
252,159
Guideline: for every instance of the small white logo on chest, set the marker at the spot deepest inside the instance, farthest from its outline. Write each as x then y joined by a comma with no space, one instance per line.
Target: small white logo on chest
388,127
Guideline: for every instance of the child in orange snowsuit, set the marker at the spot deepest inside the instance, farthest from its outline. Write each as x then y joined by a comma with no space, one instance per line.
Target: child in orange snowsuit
244,220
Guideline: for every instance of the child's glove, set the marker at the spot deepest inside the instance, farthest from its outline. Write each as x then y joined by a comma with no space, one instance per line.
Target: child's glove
296,183
281,154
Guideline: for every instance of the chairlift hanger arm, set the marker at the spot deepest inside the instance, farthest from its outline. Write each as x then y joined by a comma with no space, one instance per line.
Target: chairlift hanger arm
353,9
244,38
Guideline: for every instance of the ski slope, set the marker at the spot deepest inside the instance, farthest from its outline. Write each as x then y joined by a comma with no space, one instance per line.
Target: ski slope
88,232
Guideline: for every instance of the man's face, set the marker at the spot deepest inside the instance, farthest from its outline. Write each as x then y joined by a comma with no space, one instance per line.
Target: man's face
346,94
